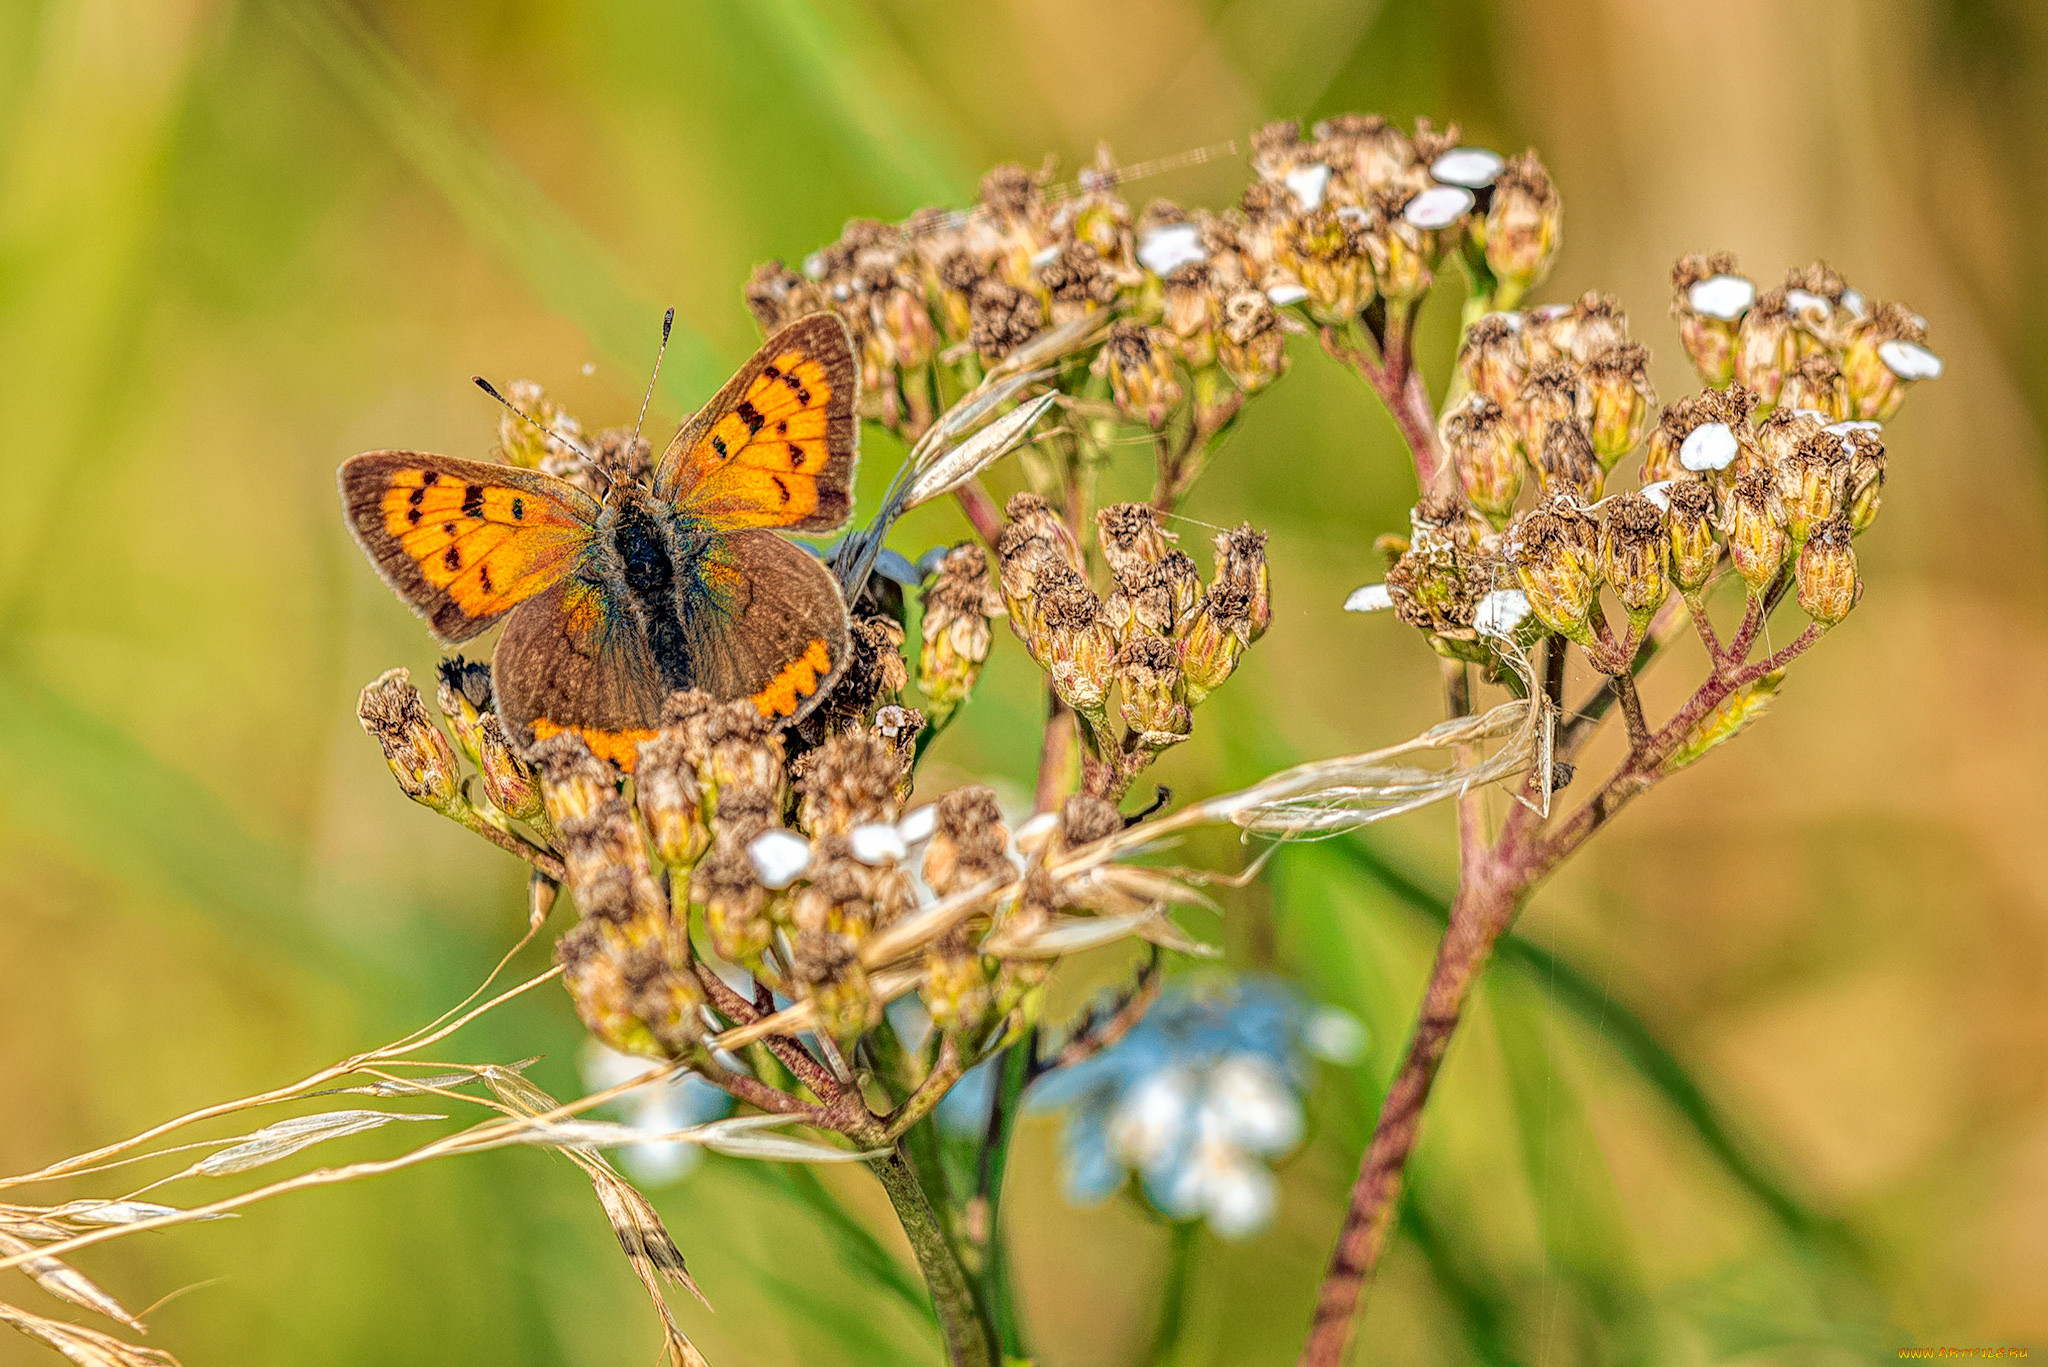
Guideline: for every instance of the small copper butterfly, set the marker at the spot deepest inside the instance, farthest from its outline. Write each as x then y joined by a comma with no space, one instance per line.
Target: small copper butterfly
677,580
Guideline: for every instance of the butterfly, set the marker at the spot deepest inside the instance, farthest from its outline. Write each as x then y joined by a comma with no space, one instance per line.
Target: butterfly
677,580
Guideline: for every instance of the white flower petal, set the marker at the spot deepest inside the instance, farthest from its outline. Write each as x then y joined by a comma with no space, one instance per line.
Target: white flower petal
1659,494
1166,248
1285,293
1500,612
1854,302
876,843
1371,598
1252,1108
1711,446
917,823
1045,256
1439,206
1809,305
1474,168
1843,429
1151,1123
1240,1198
1910,360
1307,184
779,857
1727,297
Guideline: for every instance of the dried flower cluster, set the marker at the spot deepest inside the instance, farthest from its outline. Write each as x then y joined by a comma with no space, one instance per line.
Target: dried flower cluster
1160,640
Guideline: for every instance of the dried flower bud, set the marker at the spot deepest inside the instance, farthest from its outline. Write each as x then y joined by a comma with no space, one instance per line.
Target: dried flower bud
509,781
1154,702
1552,394
1241,559
1552,561
1078,280
776,295
1566,463
730,743
1575,332
1618,388
1001,318
1434,588
1192,311
850,780
671,801
1522,227
1782,432
1080,644
1694,551
969,844
1085,819
1403,256
464,693
418,752
1828,586
1810,483
735,904
1709,300
828,972
1130,535
956,988
1885,351
1492,358
953,635
1764,345
1326,253
1215,638
1252,349
1036,519
1139,364
1815,385
552,435
1482,443
1865,483
1753,520
1632,554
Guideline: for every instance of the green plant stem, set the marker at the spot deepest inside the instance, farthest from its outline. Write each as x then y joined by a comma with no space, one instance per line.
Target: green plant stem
1171,1326
970,1341
998,1296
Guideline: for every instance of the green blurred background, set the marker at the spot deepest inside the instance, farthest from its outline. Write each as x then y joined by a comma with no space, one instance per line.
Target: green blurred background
1766,1080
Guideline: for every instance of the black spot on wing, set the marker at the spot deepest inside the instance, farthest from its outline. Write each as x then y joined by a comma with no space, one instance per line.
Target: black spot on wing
796,456
718,445
780,487
453,559
750,415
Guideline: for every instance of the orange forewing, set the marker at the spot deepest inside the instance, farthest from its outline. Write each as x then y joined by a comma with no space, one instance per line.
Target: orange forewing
776,447
464,542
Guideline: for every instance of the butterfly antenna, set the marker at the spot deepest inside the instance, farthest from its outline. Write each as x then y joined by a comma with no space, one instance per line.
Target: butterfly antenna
485,385
668,321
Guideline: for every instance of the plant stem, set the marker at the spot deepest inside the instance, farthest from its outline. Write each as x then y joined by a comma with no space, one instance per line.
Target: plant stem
1173,1293
1488,896
969,1342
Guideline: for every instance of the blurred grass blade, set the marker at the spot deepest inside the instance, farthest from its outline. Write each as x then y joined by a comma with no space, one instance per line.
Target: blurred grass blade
865,86
1623,1031
499,207
857,1245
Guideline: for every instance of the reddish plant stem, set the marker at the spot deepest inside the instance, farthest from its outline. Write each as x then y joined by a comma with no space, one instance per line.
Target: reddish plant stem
787,1050
1488,896
981,511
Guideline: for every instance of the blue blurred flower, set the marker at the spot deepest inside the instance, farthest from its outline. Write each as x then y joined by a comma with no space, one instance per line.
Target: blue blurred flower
675,1103
1199,1100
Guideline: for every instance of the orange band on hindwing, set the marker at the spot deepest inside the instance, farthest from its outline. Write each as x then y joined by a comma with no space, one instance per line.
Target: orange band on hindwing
620,747
797,681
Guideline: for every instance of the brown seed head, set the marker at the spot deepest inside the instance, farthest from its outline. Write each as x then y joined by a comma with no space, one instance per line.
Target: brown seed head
969,844
418,752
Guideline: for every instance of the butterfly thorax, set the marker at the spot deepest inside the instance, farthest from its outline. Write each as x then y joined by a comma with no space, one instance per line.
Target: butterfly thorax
655,560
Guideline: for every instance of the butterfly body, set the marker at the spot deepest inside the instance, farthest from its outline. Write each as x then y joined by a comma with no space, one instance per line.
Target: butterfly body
680,581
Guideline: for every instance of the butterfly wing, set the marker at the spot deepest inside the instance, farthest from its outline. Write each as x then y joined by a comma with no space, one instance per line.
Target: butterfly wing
460,541
574,659
776,447
765,622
